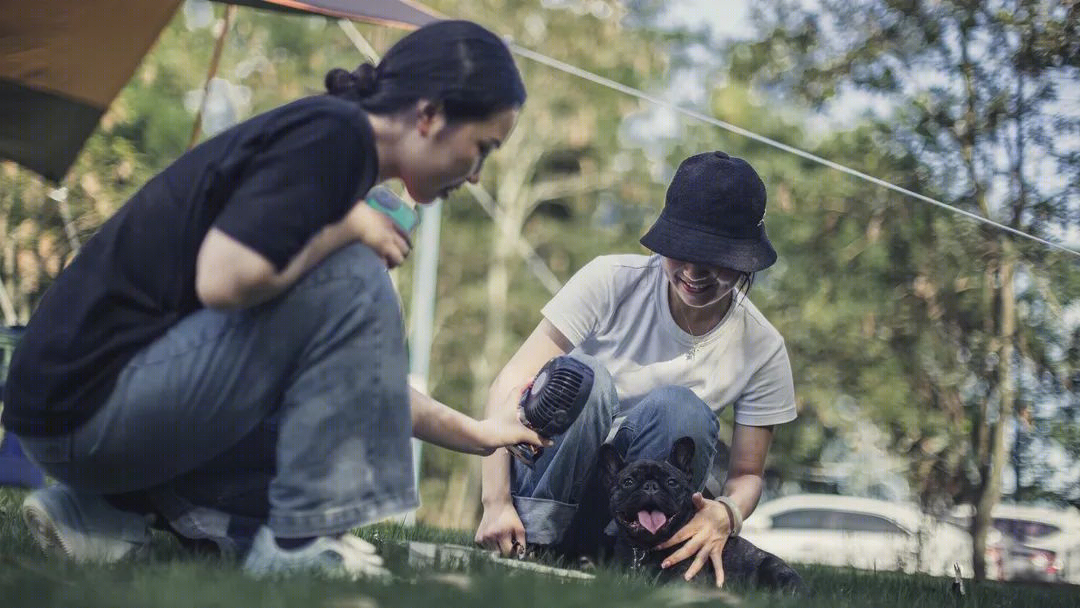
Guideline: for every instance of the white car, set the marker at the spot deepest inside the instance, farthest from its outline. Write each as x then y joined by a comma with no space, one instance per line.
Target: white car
858,532
1045,542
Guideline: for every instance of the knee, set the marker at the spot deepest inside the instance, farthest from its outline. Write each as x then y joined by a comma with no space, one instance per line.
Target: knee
352,274
603,394
601,375
356,260
681,411
348,292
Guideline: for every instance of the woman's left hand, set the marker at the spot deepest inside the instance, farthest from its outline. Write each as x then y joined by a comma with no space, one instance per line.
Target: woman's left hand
376,230
705,536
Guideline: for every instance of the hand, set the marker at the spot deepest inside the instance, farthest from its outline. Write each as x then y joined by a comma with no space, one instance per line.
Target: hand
494,433
705,535
506,427
501,529
378,231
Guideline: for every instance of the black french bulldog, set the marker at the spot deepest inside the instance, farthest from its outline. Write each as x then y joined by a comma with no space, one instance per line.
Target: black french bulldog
651,500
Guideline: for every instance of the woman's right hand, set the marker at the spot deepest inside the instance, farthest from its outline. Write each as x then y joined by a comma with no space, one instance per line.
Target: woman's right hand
501,529
378,231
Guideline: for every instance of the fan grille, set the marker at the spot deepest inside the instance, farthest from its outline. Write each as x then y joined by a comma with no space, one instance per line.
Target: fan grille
558,395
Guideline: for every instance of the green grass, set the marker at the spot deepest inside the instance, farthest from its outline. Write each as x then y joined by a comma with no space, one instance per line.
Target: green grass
169,577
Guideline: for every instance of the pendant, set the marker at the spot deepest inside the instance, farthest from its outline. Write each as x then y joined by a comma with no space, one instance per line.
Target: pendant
690,354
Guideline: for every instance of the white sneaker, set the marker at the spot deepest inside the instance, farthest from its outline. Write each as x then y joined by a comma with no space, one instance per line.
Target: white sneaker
82,527
345,556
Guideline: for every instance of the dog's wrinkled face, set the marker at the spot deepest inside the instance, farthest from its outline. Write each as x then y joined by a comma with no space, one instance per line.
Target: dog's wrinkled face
650,500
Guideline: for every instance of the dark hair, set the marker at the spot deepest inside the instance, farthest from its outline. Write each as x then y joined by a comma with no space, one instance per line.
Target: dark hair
458,64
743,285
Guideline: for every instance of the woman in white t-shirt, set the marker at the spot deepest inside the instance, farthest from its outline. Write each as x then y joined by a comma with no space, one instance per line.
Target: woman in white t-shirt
673,340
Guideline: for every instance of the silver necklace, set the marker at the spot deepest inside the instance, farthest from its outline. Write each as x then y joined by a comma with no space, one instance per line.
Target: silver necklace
695,341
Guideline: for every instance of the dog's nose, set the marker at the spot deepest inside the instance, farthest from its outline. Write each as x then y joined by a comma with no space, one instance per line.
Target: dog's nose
650,487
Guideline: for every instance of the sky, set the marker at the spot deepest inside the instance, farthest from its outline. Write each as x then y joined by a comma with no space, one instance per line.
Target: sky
726,18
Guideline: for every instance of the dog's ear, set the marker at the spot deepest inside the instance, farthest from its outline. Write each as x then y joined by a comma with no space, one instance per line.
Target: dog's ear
682,455
610,465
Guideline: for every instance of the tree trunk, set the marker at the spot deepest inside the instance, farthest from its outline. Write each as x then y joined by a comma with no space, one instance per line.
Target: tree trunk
990,488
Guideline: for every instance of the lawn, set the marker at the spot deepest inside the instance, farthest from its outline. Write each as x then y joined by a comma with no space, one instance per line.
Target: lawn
168,577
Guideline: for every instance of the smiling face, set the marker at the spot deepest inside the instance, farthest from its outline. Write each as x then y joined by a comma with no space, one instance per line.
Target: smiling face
443,156
699,285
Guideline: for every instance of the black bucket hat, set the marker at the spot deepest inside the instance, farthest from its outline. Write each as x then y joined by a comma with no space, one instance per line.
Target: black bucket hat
714,215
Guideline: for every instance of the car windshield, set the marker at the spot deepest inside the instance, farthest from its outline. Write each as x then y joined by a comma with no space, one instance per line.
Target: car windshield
830,519
1022,529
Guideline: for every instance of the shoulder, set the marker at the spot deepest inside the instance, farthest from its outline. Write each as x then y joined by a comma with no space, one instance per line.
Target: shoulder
621,269
336,117
757,326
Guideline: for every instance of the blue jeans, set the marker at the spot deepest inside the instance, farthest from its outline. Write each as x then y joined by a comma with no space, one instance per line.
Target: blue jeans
548,496
300,404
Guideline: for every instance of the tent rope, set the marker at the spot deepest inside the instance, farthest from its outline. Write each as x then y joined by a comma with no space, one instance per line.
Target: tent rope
611,84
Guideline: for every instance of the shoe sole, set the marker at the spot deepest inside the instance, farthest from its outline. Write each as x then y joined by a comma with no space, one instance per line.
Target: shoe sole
45,531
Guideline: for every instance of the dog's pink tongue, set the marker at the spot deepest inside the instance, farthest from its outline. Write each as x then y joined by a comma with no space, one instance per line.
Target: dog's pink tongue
652,520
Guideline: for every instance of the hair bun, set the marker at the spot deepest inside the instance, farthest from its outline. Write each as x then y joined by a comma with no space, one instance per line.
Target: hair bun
359,83
365,78
338,81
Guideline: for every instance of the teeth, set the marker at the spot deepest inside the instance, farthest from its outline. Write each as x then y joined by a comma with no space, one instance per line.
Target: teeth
697,286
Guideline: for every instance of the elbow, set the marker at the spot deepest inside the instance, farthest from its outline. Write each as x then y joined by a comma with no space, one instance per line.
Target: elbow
213,295
229,291
229,276
498,394
506,390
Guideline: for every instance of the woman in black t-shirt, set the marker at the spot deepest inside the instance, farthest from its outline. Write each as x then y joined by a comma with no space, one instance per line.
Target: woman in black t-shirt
232,330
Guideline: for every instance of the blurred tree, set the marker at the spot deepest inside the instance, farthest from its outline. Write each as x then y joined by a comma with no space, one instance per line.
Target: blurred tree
972,105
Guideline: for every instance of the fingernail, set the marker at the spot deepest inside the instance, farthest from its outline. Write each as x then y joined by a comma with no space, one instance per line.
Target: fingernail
664,565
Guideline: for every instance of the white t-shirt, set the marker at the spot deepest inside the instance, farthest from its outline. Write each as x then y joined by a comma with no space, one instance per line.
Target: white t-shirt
616,309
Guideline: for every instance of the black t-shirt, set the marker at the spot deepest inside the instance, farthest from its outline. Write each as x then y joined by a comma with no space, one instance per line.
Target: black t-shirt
270,182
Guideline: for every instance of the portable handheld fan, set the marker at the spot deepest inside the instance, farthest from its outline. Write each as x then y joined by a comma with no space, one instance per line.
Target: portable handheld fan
553,402
383,199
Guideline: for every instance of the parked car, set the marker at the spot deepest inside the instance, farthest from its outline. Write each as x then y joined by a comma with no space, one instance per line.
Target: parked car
1044,543
859,532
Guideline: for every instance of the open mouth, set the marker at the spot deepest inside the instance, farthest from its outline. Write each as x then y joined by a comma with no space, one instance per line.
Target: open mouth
648,518
696,287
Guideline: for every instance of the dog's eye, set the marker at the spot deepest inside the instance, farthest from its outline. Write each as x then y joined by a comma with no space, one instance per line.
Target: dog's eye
628,482
672,482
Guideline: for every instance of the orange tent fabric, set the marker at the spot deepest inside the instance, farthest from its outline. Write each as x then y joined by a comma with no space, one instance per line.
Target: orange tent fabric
62,62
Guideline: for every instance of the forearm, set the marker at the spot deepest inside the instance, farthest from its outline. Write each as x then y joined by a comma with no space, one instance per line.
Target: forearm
745,491
495,469
325,242
231,276
746,468
544,343
443,426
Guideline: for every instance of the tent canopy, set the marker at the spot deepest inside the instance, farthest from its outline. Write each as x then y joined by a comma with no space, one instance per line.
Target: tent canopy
62,62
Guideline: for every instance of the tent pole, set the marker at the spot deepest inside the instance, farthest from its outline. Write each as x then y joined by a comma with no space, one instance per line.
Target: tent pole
196,129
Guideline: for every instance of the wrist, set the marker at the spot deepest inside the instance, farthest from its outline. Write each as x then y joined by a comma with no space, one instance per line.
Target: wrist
496,502
481,433
735,517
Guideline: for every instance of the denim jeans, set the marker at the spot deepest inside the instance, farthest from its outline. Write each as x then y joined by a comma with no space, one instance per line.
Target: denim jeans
548,496
299,405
